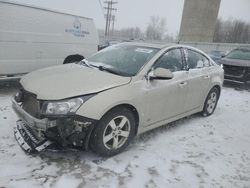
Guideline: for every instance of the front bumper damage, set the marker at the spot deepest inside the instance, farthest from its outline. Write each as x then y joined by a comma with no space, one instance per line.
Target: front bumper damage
27,140
34,135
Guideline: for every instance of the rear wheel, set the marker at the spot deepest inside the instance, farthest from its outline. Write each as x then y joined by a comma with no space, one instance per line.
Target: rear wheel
114,132
211,102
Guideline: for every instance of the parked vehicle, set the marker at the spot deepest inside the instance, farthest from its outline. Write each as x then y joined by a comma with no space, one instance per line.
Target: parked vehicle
236,65
32,38
216,55
124,90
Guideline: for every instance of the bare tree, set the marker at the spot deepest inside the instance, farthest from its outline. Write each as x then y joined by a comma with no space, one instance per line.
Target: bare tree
232,31
156,28
129,33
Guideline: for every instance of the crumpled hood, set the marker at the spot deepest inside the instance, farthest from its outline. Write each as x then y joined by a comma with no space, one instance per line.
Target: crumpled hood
235,62
65,81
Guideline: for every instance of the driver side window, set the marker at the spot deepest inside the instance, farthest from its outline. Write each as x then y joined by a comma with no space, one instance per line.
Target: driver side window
171,60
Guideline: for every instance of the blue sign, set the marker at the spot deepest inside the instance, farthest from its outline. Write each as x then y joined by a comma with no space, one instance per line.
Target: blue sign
77,29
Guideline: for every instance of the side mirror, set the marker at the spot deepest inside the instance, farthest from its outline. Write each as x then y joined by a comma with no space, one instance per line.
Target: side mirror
200,64
160,74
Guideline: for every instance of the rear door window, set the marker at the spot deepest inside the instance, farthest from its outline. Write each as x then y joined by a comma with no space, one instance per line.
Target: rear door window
196,60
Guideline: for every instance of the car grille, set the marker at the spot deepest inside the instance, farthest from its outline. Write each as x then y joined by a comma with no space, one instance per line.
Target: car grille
234,70
30,103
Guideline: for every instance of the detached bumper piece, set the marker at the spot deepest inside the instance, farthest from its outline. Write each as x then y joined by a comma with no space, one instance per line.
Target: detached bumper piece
27,139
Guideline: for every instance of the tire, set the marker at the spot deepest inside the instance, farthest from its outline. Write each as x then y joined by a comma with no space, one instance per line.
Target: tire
114,132
73,59
211,102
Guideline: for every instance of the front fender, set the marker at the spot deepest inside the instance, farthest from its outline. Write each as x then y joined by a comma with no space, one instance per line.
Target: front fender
101,103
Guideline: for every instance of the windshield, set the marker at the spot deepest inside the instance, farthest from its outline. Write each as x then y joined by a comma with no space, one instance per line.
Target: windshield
127,59
242,54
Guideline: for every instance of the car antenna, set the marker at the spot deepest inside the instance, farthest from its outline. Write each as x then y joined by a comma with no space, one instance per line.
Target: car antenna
179,41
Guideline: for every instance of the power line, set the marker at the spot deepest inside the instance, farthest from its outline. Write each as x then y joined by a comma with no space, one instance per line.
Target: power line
101,7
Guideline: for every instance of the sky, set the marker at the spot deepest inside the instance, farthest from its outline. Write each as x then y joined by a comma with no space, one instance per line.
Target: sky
132,13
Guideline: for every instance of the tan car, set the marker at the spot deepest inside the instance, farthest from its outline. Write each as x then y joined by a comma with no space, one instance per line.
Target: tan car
103,102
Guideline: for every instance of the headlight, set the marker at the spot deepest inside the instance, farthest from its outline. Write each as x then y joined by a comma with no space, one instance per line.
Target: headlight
221,65
63,107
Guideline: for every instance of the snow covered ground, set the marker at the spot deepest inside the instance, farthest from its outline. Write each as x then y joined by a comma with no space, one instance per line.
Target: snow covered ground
192,152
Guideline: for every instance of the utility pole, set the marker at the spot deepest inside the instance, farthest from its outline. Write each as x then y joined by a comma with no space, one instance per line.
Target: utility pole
110,17
113,24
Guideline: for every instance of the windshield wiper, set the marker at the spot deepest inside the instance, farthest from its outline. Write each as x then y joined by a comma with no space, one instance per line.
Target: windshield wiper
85,62
111,70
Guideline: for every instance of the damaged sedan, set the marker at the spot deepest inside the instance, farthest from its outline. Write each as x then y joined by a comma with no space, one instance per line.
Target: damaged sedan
104,101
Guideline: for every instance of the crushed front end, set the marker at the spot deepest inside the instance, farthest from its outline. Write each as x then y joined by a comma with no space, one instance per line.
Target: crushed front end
36,131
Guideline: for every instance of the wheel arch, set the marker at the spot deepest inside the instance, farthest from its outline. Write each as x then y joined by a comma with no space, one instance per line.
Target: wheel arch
217,86
132,109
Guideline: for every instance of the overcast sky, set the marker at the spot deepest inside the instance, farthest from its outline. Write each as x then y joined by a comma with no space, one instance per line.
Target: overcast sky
133,13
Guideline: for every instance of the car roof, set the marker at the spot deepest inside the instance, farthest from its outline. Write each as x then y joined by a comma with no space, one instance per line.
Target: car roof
150,45
162,46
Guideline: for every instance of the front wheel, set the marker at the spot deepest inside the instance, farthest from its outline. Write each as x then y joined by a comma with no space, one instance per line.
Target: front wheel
211,102
114,132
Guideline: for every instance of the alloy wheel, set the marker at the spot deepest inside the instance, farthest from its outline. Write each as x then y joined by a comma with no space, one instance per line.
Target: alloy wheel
116,132
211,103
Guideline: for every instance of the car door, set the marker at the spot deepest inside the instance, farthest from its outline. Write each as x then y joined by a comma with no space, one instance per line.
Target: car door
165,98
198,79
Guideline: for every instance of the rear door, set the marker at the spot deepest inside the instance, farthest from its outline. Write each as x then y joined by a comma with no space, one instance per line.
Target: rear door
198,78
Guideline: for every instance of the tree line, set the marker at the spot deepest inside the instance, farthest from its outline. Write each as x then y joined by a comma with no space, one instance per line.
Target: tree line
232,31
155,30
226,31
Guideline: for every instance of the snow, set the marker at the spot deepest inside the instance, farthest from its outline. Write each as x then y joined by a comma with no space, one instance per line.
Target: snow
65,181
192,152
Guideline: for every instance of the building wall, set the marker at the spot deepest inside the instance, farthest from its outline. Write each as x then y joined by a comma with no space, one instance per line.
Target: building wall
209,46
198,20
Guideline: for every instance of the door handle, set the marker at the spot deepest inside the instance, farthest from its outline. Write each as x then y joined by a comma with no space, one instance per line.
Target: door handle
206,77
182,84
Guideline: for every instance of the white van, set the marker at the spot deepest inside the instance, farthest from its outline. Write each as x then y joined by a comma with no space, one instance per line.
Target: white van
32,38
